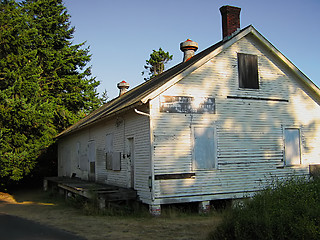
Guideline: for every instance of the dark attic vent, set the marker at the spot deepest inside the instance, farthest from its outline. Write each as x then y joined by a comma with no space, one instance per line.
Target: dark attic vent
248,71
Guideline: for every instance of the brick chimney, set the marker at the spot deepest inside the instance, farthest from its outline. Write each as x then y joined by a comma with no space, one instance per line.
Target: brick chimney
230,20
188,47
123,86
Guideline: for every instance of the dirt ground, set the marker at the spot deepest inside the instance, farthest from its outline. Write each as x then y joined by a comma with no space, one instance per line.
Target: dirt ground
36,205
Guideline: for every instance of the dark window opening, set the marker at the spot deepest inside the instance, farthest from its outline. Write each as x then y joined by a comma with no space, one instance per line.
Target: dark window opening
248,71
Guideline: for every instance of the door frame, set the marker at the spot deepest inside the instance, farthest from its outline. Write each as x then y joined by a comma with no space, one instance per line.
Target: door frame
92,175
130,154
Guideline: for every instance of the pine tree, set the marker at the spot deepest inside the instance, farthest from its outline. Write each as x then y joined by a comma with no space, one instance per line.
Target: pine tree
155,65
45,85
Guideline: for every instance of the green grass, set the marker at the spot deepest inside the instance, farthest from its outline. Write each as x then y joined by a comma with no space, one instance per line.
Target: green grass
288,209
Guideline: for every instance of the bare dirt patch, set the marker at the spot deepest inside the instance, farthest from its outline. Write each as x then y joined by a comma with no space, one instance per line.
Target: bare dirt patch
38,206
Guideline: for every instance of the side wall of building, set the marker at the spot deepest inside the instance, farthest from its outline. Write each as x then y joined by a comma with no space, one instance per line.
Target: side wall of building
124,139
248,127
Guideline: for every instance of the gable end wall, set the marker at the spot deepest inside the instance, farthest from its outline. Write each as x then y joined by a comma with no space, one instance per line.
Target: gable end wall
249,132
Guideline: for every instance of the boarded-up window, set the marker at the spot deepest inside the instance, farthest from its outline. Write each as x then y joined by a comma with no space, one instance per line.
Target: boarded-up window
204,148
113,159
248,71
292,146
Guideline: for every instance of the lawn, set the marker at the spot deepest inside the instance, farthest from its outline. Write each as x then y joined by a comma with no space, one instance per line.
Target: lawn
38,206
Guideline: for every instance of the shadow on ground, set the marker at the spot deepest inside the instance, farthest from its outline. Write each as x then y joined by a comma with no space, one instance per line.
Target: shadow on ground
16,228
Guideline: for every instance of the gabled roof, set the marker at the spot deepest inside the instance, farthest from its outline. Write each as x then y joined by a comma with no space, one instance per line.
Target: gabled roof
152,88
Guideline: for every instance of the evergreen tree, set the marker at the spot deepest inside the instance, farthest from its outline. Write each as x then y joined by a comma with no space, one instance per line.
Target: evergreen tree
155,65
45,85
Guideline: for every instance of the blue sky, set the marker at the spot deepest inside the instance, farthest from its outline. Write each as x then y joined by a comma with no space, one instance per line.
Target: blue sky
122,33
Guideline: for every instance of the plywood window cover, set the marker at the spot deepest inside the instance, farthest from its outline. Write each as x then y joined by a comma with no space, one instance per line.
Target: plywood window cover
248,71
298,151
209,156
113,161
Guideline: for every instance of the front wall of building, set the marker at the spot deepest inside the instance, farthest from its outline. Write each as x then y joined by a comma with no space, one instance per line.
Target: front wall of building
247,129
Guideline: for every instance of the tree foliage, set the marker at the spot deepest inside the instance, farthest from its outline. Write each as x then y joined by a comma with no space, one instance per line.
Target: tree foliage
45,85
155,65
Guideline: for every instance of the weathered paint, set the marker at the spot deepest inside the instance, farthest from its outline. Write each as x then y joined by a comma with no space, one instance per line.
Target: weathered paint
122,128
250,128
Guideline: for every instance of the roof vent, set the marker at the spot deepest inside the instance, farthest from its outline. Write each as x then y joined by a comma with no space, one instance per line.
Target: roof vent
123,86
230,21
188,47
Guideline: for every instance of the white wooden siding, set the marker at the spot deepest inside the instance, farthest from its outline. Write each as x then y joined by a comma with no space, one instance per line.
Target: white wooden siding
250,143
250,133
122,127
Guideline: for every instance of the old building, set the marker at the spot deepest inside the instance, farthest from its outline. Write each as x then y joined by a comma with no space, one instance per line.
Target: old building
221,124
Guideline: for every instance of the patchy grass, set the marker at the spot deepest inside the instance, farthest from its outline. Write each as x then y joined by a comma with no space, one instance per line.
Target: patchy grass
173,224
288,209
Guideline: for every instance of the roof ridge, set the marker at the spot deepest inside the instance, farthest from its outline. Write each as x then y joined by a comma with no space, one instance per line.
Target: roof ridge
137,93
143,92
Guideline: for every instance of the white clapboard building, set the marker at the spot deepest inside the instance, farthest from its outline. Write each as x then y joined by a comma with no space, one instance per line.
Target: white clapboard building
220,124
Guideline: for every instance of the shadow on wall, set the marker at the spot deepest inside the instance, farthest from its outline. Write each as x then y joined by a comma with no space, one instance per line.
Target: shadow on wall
250,125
